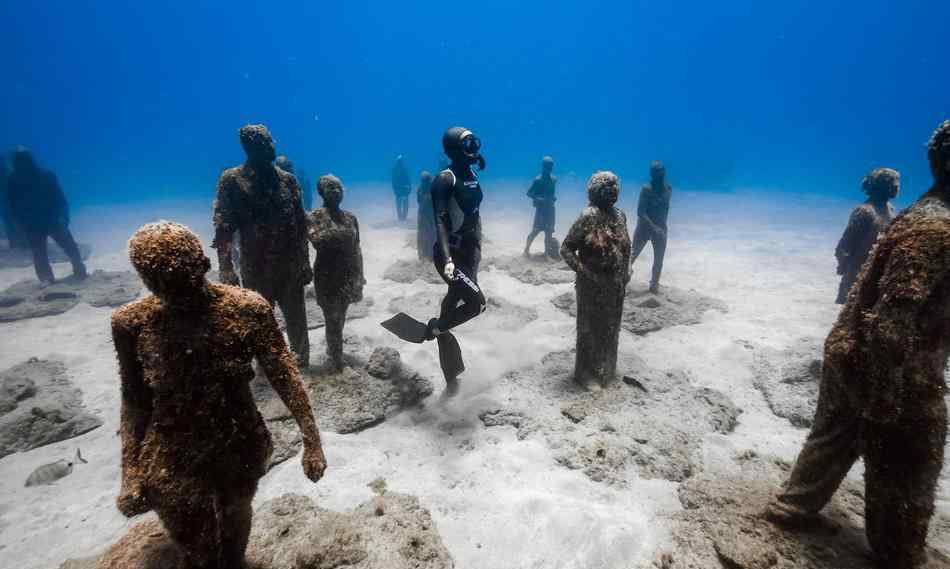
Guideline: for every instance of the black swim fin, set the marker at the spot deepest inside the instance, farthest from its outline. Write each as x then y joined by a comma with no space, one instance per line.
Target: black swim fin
406,328
450,356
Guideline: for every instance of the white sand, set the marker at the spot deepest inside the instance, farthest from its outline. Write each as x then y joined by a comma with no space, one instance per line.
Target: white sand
498,502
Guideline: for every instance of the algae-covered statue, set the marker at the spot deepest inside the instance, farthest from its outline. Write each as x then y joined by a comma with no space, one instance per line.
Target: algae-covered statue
306,192
883,387
262,203
15,238
402,187
597,248
193,442
338,265
425,220
543,197
867,221
39,209
653,210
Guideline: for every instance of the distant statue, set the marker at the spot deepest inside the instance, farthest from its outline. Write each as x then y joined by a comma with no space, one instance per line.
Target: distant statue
402,187
15,237
263,204
425,222
653,209
543,196
883,387
338,265
867,221
303,182
193,443
597,248
39,208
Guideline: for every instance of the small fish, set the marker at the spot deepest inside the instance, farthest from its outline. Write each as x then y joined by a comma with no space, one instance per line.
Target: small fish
49,473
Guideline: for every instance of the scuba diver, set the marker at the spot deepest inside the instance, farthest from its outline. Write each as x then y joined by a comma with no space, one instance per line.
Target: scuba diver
456,199
402,187
542,194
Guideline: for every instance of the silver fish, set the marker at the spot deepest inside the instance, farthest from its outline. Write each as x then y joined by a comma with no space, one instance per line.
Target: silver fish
49,473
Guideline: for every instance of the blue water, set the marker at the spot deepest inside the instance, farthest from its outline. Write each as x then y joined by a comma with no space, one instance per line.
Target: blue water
134,101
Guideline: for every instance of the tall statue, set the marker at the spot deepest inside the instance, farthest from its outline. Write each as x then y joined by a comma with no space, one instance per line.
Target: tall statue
306,192
38,207
15,238
883,387
867,221
543,196
653,209
597,248
193,442
338,265
425,228
263,204
402,187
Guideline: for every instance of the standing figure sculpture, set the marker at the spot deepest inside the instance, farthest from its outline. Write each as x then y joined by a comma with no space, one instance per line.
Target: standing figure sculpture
193,442
867,221
402,187
425,220
456,200
597,248
38,207
653,209
883,386
263,204
15,238
303,182
338,265
542,193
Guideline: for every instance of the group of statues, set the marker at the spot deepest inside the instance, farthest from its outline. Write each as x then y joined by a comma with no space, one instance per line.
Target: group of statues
194,444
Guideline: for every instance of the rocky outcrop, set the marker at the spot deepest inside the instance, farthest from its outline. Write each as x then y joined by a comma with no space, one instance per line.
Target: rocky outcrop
789,379
31,299
534,270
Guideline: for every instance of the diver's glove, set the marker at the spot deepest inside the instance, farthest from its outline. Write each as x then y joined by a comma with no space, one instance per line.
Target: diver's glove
481,162
449,270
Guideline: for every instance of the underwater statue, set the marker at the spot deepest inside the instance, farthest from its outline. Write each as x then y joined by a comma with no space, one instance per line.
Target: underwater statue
867,221
597,248
456,199
38,207
338,265
542,194
883,387
15,238
653,209
263,204
193,442
425,220
402,187
303,182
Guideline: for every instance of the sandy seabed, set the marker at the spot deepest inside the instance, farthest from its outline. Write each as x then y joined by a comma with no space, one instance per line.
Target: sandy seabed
498,501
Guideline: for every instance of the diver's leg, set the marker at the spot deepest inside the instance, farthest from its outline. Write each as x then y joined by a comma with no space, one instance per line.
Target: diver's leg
293,306
463,289
659,253
64,238
828,454
41,265
902,467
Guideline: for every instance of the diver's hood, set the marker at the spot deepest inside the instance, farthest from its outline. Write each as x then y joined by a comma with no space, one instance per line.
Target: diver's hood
461,145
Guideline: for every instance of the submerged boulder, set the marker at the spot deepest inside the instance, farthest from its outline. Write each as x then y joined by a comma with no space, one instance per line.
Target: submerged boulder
32,299
39,405
535,269
789,379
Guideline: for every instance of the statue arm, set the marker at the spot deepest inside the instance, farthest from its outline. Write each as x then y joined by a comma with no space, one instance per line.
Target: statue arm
303,238
570,245
134,416
857,224
359,255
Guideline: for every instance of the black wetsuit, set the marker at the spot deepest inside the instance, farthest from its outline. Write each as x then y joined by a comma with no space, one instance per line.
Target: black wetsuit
456,199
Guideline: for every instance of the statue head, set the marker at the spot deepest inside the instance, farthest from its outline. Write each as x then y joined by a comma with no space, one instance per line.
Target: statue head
938,152
23,159
330,189
547,165
603,189
257,143
657,173
284,164
171,262
425,179
882,183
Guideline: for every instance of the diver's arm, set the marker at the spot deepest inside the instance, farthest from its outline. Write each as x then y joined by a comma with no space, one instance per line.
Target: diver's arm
134,415
225,224
442,188
281,370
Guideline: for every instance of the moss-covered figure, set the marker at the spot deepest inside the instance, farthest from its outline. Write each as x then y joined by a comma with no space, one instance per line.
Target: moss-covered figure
193,443
882,388
15,238
262,203
306,192
338,265
425,230
402,187
39,209
867,221
597,248
543,196
653,210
